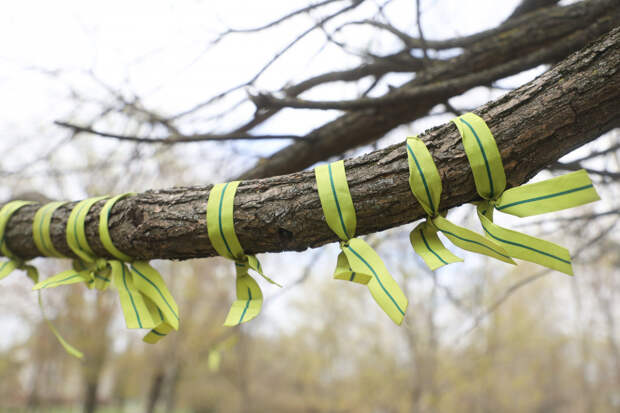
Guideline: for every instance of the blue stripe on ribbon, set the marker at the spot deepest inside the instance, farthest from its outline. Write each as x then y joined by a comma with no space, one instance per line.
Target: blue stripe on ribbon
484,155
331,180
377,277
157,288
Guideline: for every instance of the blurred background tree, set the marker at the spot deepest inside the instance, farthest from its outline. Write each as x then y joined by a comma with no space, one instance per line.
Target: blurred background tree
114,97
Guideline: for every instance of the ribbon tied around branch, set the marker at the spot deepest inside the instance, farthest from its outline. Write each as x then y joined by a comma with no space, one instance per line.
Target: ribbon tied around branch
357,262
425,184
14,262
221,230
145,299
553,194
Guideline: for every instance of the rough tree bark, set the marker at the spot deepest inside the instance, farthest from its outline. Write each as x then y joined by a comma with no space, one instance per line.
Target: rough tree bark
570,105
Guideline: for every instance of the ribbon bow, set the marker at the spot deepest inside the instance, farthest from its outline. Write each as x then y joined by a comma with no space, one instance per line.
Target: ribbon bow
425,184
357,261
145,300
221,230
14,262
553,194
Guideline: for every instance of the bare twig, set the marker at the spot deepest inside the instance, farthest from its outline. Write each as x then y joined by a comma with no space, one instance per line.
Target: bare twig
575,166
173,139
271,61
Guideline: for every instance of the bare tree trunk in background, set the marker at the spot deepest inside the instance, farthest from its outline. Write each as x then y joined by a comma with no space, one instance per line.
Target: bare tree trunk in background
245,398
90,396
155,391
173,386
96,349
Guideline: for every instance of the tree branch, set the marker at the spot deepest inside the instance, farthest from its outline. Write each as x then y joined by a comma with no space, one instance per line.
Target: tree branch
535,125
582,22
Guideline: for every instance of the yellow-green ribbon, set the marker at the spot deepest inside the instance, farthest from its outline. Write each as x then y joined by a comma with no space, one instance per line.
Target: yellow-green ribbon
221,230
40,229
426,186
88,268
554,194
357,262
13,262
43,241
145,300
214,358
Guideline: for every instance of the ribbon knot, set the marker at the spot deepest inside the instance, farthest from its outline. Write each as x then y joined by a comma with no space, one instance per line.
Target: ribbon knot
100,264
221,230
554,194
357,261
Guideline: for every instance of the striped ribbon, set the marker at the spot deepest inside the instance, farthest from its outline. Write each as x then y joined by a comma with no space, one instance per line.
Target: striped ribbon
145,300
221,230
13,262
554,194
426,186
357,261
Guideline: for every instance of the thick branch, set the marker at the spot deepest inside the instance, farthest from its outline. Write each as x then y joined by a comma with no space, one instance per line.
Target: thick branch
534,126
581,22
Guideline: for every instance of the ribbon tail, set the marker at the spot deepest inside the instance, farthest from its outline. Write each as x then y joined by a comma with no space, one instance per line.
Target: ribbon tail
64,343
161,329
427,245
555,194
214,360
345,272
7,267
215,354
150,283
248,303
159,332
526,247
471,241
63,278
32,273
382,286
254,264
135,310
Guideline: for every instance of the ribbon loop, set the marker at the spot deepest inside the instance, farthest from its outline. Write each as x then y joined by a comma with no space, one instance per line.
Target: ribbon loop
41,229
483,155
357,262
76,233
104,231
220,222
424,178
336,199
221,230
